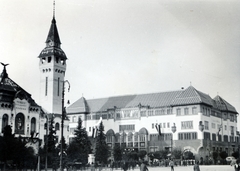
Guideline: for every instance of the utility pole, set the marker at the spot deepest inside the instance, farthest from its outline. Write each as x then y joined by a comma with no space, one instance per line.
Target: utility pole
46,145
62,123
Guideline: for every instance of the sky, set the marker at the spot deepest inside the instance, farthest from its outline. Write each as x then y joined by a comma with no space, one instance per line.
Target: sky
122,47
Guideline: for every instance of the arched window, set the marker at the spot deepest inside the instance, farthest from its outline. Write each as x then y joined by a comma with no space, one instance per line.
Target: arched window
109,136
117,138
33,125
4,121
45,126
19,123
57,126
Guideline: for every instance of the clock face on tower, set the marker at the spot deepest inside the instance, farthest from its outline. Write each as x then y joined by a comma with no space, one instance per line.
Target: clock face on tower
51,43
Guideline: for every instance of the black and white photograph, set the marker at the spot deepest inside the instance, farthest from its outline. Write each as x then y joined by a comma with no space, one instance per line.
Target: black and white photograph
104,85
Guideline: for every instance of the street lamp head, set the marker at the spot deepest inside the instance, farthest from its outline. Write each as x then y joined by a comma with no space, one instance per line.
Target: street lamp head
174,128
201,126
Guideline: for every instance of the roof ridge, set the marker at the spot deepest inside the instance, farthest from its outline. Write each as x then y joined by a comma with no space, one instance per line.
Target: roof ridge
136,94
199,97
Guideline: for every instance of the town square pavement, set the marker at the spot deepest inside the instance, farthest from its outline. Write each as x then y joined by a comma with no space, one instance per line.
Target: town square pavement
185,168
190,168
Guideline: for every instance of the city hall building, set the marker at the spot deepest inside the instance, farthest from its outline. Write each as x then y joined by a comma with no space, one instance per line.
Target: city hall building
187,118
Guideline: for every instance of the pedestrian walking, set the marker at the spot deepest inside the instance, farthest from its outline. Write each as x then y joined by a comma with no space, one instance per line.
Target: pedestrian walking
171,164
143,166
196,166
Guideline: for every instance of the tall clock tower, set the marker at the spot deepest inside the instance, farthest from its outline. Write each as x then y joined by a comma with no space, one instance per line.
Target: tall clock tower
52,65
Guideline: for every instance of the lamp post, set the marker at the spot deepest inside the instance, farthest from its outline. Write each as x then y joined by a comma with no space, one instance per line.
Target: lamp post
174,129
158,128
34,139
62,123
46,144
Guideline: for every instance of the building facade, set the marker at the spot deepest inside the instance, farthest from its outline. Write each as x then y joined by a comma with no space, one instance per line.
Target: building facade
18,109
188,119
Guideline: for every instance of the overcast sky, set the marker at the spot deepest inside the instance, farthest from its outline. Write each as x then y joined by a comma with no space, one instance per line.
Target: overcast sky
120,47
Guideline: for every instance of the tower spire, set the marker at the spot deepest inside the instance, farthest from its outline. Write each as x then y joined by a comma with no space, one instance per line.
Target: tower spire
53,8
52,66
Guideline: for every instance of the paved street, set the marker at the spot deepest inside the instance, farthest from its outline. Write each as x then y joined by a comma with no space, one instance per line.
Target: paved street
189,168
178,168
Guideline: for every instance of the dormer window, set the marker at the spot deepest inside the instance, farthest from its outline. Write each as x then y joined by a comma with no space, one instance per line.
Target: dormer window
62,61
43,60
49,59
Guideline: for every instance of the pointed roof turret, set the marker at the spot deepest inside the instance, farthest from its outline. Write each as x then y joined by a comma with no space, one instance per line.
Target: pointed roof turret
9,90
224,105
192,96
53,43
53,33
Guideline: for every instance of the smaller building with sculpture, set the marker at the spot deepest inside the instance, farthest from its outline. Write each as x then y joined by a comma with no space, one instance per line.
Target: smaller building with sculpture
26,118
187,119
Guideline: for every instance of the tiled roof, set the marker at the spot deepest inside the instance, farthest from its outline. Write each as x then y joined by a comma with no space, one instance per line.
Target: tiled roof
55,51
224,105
192,96
9,89
80,105
127,101
154,100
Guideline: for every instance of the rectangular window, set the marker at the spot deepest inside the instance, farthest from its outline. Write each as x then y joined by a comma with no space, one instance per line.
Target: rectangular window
213,125
88,117
187,125
142,144
214,137
169,111
187,136
225,116
206,135
232,130
46,86
126,127
178,111
157,112
126,113
220,138
206,125
163,112
58,92
143,113
186,111
225,138
194,110
150,113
